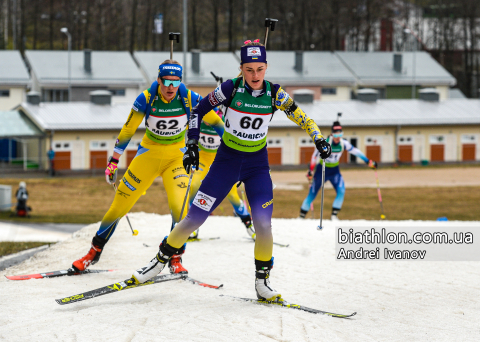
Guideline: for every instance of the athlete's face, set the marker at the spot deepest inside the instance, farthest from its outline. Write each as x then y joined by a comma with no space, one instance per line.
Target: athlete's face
168,92
254,74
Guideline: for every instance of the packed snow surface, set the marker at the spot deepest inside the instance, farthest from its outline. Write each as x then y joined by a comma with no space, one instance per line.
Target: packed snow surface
394,300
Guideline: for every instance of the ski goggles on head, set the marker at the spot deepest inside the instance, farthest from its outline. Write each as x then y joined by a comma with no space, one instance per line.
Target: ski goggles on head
167,83
337,135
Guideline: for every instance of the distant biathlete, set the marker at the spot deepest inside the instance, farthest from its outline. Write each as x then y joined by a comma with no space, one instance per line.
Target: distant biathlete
208,145
332,170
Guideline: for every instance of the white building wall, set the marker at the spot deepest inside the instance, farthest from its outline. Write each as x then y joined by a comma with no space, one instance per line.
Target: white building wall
288,151
343,94
130,96
17,96
443,92
450,147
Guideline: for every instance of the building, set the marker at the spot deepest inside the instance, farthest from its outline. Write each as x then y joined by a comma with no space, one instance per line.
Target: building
394,74
114,71
14,80
387,131
327,76
197,74
82,134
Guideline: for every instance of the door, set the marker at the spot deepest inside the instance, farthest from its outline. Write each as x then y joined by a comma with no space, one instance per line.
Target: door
437,152
405,153
306,154
374,152
98,159
274,155
62,160
468,152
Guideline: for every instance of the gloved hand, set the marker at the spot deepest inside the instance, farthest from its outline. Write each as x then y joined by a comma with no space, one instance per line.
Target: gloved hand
324,147
309,176
372,164
191,157
111,170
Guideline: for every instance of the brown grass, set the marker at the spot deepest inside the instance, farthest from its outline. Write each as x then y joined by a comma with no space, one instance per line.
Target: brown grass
10,247
86,200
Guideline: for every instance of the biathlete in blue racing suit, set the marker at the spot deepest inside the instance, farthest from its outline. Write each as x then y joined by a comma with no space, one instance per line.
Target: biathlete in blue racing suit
332,171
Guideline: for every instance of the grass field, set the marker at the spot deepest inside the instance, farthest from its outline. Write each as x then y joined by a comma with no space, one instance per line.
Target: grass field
86,200
10,247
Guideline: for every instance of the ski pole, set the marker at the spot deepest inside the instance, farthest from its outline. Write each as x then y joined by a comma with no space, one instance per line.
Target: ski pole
134,231
173,36
382,216
320,227
269,24
188,191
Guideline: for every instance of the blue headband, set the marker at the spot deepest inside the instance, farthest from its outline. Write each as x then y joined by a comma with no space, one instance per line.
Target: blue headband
170,70
253,53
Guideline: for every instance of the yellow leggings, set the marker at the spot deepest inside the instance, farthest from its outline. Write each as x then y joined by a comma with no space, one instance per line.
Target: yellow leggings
206,160
148,164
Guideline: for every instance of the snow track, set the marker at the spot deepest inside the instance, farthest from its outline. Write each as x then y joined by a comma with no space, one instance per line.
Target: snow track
395,301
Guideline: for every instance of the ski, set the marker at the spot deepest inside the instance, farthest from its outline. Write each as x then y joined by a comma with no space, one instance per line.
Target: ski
197,282
286,304
54,274
197,239
275,243
116,287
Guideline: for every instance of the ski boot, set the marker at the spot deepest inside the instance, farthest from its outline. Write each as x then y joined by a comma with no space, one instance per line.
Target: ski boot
157,264
247,221
262,281
175,263
303,213
194,235
93,255
334,216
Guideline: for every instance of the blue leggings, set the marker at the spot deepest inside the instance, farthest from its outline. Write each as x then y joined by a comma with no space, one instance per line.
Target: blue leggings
229,167
333,175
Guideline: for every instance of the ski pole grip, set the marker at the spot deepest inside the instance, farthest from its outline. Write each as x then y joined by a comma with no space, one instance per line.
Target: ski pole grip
174,36
270,23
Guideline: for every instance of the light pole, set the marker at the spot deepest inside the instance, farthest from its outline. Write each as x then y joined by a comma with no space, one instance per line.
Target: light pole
185,40
408,31
65,30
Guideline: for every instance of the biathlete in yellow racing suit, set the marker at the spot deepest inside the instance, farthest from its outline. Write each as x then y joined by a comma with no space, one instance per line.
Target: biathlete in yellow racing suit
208,145
166,107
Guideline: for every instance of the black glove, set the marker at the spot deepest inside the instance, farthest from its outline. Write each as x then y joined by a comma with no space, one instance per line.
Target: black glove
324,147
191,157
372,164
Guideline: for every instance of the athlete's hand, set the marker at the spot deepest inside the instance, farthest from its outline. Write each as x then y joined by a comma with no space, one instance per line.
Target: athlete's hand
111,170
191,157
324,147
309,176
372,164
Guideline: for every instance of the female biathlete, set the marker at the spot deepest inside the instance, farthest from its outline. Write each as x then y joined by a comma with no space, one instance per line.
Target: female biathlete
166,107
250,103
332,171
208,144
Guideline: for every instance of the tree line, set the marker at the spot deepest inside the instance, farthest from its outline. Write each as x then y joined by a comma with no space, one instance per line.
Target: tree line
448,29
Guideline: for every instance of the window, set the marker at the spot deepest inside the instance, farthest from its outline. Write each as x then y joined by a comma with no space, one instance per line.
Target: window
329,91
98,145
55,95
117,92
4,93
